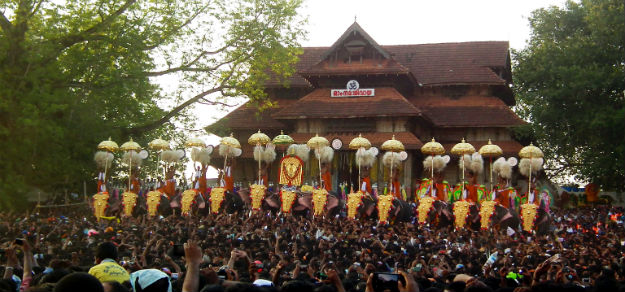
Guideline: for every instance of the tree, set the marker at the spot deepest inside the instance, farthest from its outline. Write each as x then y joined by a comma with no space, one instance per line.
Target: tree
570,82
73,73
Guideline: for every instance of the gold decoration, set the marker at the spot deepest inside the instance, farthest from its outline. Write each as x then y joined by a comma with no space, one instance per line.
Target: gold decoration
528,216
258,138
100,202
359,142
462,148
159,144
257,194
291,171
307,189
231,141
433,148
108,145
283,139
354,200
319,200
317,142
385,202
129,200
486,212
287,198
216,198
392,145
531,151
130,145
461,211
186,201
490,150
195,142
153,199
425,206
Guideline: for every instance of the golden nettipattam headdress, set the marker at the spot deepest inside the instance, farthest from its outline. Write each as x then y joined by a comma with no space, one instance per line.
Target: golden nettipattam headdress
319,201
153,200
186,201
291,171
129,201
385,202
217,196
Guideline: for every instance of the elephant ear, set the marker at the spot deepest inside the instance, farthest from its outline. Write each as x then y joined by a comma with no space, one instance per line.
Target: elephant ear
512,161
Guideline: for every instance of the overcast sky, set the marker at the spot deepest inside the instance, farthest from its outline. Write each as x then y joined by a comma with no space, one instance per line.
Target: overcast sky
391,22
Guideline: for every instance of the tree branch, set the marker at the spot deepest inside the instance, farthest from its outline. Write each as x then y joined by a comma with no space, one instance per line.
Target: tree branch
157,123
5,24
214,102
36,8
72,39
186,68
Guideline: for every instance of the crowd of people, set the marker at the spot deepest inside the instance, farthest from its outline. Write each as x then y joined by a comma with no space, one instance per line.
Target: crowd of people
66,249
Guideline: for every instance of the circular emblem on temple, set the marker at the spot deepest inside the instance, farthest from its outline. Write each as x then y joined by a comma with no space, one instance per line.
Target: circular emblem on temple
352,85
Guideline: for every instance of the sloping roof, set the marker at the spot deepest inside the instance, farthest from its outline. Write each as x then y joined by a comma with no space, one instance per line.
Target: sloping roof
368,66
454,63
431,64
467,111
318,104
247,116
355,29
409,140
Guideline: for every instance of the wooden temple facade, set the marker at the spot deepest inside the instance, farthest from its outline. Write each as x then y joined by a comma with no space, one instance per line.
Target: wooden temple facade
448,91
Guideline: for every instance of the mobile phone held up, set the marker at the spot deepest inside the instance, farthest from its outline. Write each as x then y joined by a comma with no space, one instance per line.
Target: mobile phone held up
387,282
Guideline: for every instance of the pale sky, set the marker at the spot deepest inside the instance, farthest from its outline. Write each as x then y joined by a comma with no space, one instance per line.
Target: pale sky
392,22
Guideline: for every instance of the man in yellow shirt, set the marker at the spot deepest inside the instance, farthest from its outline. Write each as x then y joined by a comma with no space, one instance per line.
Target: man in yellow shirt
107,269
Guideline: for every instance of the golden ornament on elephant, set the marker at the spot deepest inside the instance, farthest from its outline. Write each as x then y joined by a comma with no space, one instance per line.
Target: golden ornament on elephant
129,201
319,200
461,212
100,202
354,200
385,202
487,210
153,199
287,198
186,201
528,216
425,206
217,197
257,194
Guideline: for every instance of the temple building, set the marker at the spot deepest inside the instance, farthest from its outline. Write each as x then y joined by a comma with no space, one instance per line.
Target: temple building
446,91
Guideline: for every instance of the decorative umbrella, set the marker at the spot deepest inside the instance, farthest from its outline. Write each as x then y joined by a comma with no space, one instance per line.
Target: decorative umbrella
317,143
433,148
158,144
195,142
283,141
358,143
530,152
110,146
129,147
461,149
229,142
258,139
393,146
490,150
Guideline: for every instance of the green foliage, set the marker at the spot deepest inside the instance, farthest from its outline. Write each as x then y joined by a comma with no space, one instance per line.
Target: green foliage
73,73
570,82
